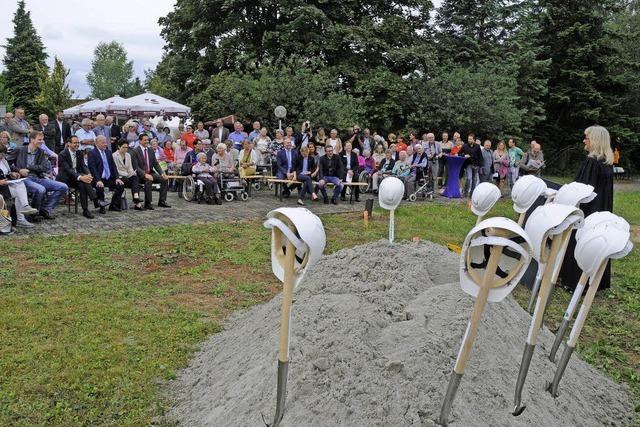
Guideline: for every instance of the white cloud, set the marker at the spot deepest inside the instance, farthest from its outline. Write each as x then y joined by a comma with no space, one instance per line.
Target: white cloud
71,29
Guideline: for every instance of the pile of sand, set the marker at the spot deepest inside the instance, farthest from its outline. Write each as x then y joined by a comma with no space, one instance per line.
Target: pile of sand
375,333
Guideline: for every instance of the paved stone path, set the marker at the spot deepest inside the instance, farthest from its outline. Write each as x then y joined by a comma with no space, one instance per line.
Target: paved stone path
182,212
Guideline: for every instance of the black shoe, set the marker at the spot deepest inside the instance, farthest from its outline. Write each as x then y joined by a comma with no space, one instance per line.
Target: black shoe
164,205
115,209
148,207
375,192
138,208
326,201
102,211
217,200
87,214
136,201
334,202
46,215
357,200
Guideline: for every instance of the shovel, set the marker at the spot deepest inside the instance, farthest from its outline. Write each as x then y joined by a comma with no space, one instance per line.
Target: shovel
285,318
568,315
536,321
577,327
470,334
392,225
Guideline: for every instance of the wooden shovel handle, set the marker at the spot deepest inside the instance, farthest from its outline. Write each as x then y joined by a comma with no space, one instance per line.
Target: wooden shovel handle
287,298
545,287
586,305
478,309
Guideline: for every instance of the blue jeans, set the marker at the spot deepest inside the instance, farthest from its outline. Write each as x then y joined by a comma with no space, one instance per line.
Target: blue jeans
336,189
39,187
471,173
306,187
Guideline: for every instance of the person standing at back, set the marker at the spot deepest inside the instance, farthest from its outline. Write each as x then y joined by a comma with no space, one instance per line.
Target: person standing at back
486,168
515,155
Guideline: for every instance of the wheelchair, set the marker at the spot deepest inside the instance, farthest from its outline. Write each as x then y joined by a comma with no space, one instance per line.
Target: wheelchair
425,185
193,189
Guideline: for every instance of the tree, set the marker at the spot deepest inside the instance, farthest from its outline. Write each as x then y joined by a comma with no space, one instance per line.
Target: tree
54,90
23,57
135,87
6,98
581,89
111,72
469,99
346,38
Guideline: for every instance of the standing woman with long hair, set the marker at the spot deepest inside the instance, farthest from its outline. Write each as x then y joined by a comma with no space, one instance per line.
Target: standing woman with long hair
595,170
501,164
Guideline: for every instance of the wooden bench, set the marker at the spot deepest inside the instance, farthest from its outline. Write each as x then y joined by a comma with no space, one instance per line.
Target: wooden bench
277,183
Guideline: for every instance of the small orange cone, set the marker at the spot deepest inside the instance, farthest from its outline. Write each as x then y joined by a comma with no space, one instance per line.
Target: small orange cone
366,219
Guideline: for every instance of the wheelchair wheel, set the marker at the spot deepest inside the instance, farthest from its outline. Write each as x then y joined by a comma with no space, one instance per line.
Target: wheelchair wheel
270,186
188,188
365,178
244,196
228,197
256,186
413,197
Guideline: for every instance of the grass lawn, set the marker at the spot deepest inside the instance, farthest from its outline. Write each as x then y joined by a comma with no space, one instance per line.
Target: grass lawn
92,326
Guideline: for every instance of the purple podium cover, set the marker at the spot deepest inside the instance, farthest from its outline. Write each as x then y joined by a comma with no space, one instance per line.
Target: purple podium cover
454,164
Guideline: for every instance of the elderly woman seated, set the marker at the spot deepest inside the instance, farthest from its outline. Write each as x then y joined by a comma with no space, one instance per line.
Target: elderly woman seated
17,190
248,159
385,169
205,172
402,170
223,161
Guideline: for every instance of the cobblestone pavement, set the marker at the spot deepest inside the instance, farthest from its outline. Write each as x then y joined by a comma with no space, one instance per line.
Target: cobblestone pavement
182,212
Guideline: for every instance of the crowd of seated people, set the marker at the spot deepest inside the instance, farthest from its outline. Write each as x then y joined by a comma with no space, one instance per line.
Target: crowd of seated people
45,163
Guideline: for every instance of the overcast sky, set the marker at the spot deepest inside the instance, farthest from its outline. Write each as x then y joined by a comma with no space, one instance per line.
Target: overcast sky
71,29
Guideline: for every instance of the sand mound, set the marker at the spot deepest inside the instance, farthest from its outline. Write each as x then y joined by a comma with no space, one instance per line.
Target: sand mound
375,346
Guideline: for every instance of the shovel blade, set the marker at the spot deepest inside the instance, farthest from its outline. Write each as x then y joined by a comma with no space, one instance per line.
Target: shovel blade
562,330
281,395
562,365
522,377
452,388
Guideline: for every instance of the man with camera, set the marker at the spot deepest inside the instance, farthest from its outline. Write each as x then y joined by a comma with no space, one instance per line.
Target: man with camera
356,138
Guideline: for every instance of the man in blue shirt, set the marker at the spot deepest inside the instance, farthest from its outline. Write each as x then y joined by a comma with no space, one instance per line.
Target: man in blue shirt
86,135
238,135
255,132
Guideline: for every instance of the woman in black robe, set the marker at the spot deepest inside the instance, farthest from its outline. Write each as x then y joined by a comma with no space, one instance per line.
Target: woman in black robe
597,171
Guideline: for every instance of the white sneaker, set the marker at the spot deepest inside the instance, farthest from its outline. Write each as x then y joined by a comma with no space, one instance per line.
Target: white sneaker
24,223
28,210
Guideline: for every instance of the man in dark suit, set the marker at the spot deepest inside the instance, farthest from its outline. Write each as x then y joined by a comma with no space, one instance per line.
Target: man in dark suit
105,174
74,172
330,172
63,131
286,161
113,132
149,171
219,131
49,131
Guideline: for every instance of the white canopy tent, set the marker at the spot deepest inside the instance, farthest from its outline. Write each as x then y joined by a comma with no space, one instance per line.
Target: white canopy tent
149,104
97,106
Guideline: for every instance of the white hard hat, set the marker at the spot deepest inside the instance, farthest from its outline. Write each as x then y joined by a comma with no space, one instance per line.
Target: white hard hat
599,219
600,244
302,228
575,194
513,263
484,197
525,192
547,221
390,193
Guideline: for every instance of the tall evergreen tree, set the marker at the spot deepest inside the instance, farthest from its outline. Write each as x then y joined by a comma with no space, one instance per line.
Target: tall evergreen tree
54,90
23,57
574,37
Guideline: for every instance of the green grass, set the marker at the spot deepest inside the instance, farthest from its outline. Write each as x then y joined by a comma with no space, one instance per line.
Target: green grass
93,326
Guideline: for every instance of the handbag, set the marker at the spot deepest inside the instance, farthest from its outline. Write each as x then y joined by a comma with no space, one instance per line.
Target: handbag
5,217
